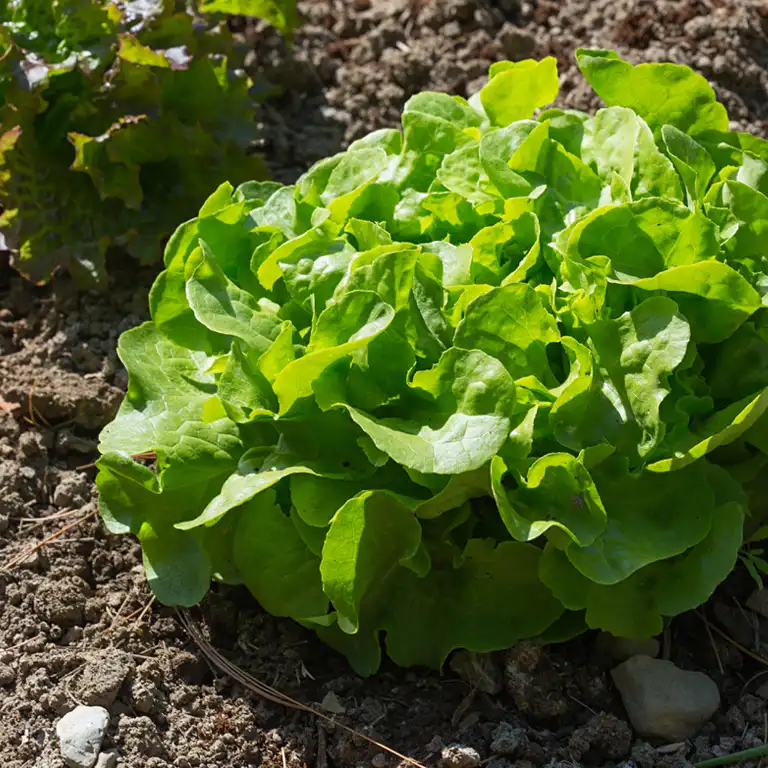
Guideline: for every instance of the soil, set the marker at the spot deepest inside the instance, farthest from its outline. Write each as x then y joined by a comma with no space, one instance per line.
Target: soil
76,621
355,63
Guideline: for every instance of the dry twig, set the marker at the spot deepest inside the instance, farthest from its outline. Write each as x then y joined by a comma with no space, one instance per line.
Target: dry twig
730,640
712,642
268,692
31,550
147,455
36,522
144,611
34,414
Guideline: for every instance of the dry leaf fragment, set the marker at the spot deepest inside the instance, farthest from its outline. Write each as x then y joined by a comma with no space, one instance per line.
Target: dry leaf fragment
7,407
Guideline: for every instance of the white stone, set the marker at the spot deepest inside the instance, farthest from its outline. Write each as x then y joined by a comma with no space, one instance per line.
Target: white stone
80,733
107,759
664,701
331,703
458,756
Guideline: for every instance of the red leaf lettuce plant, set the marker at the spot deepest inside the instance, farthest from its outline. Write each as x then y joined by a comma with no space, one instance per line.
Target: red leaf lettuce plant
116,119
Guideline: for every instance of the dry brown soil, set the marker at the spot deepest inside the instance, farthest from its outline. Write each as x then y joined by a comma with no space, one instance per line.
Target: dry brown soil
72,628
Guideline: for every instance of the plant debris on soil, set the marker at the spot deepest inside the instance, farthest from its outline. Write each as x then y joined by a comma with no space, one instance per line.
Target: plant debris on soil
77,624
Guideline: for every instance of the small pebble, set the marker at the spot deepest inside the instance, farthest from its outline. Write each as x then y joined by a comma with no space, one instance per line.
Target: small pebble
457,756
507,739
331,703
663,701
80,733
107,759
379,760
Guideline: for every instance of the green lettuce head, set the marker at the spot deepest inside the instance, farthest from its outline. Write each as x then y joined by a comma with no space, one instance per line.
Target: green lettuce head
499,375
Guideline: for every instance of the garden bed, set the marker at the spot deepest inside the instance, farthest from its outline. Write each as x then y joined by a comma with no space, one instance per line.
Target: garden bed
76,621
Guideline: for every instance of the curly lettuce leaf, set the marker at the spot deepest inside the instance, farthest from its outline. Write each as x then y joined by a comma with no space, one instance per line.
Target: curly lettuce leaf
661,94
